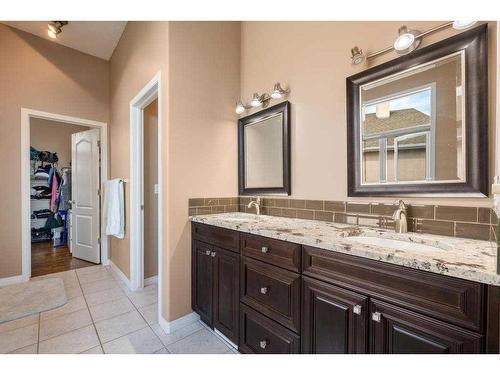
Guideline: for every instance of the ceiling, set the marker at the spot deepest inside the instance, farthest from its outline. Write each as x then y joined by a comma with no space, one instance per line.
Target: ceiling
97,38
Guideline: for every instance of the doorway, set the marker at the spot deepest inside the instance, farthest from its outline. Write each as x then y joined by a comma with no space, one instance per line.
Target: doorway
146,219
63,166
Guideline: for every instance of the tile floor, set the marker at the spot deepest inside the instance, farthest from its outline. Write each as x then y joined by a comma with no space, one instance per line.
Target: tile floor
103,316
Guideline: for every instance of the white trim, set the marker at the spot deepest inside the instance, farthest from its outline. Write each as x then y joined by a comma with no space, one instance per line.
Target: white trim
151,280
118,272
179,323
26,115
13,280
146,95
223,337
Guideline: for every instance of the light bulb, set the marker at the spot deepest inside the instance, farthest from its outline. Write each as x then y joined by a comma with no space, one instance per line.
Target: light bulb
255,102
404,41
53,28
240,108
462,25
276,95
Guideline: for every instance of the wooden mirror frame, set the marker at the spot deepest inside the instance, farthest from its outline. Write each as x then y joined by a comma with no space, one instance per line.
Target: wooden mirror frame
284,109
475,46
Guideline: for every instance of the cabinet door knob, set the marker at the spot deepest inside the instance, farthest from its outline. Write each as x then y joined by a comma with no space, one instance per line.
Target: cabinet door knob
264,290
263,344
207,252
264,249
357,309
213,254
376,316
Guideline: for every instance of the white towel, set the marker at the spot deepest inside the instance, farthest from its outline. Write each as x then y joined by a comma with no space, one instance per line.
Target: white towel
114,212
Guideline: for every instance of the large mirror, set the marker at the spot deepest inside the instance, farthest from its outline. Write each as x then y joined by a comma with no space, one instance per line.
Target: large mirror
418,124
264,151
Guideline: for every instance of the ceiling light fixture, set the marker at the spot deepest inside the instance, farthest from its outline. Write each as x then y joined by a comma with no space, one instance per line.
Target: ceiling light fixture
407,41
262,100
55,28
357,56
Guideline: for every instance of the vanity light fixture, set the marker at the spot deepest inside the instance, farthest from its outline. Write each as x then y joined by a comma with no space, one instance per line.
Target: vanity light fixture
278,91
55,28
262,100
407,41
357,56
462,25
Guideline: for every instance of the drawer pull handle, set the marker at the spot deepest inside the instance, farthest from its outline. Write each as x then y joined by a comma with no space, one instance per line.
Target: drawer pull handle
213,254
263,344
264,290
207,252
357,309
264,249
376,316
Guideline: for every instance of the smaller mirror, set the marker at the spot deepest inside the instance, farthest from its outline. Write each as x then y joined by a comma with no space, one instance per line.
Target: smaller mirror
264,151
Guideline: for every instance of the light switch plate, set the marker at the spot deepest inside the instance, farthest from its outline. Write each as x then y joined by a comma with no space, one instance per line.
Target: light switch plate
156,188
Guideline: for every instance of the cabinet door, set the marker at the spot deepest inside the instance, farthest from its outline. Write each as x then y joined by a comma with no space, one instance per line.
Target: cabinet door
226,293
202,281
334,320
400,331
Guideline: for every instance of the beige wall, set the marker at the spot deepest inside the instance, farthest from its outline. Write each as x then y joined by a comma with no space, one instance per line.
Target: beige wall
313,59
150,198
139,55
200,64
45,76
204,83
53,136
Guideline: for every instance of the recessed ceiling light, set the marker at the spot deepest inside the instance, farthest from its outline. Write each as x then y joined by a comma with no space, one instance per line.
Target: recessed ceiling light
462,25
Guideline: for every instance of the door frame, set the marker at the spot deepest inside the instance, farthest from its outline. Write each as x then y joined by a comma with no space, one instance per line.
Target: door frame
26,115
150,92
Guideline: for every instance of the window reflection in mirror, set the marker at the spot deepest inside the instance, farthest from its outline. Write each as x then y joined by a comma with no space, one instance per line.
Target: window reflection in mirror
412,125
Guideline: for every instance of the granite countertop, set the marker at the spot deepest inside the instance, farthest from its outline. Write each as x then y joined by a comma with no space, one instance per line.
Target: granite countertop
459,257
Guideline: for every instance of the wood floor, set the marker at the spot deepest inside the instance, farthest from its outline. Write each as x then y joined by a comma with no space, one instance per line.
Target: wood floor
46,259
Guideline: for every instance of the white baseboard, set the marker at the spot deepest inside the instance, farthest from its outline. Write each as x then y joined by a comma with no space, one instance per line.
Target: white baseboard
121,276
13,280
179,323
151,280
224,338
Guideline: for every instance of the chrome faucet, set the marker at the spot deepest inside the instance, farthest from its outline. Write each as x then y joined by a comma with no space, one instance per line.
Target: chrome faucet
255,203
400,218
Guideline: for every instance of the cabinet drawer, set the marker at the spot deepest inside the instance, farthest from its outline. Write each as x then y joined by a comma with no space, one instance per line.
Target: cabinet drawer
450,299
260,335
272,291
280,253
222,237
399,331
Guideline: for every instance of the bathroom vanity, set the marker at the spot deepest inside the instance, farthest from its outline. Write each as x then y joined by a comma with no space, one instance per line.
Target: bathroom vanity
278,285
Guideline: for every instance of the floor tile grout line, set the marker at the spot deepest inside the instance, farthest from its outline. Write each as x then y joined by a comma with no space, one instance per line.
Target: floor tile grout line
91,317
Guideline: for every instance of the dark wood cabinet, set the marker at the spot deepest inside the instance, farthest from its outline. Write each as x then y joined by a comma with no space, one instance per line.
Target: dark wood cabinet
334,320
215,292
226,293
272,291
395,330
203,281
261,335
281,297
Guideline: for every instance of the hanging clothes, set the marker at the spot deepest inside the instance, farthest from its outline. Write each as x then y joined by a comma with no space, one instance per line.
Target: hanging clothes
65,190
53,197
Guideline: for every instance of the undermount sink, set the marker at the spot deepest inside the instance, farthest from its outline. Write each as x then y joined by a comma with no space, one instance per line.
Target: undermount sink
395,244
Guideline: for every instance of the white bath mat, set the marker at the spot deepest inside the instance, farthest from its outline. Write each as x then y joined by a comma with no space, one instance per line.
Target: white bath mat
19,300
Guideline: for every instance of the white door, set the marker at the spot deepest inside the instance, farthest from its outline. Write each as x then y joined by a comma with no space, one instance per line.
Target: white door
85,196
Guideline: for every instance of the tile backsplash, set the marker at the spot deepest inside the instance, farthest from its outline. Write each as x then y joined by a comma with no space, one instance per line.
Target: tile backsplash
467,222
